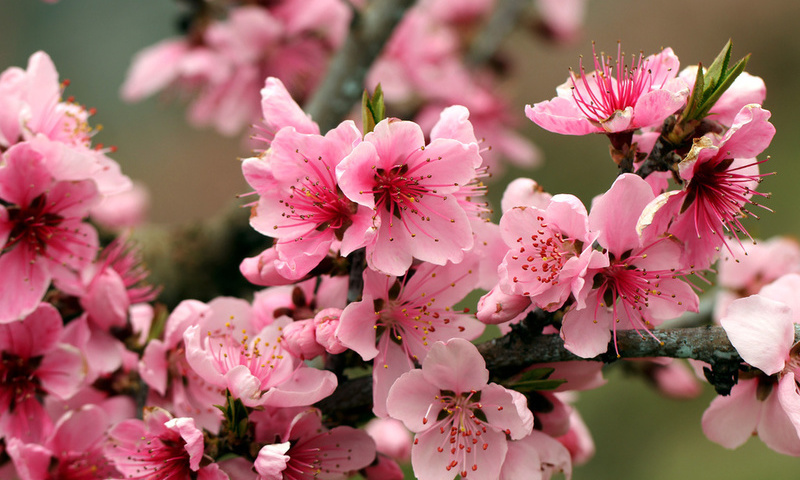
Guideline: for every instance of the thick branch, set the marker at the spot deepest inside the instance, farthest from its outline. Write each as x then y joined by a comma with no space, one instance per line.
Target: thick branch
344,83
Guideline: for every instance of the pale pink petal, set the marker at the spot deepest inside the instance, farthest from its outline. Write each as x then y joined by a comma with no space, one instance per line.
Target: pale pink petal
280,110
431,464
22,285
586,331
192,436
107,300
654,106
153,68
750,134
789,398
615,214
456,365
388,366
731,420
272,461
507,410
62,371
784,290
761,330
153,366
537,456
776,429
524,192
413,401
356,330
496,307
262,269
306,386
560,115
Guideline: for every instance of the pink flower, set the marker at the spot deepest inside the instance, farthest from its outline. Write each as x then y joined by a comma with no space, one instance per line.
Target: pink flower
405,317
301,205
549,253
35,362
391,438
461,421
613,98
74,450
537,457
642,285
410,187
762,331
256,369
310,450
41,228
720,178
159,445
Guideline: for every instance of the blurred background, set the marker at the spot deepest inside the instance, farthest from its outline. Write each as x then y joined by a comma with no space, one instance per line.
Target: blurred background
194,174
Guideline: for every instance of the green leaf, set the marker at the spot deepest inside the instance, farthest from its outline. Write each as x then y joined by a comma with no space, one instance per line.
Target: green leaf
536,374
373,109
537,385
710,85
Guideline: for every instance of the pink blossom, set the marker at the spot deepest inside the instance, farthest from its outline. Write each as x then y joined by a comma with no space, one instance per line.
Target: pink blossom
497,307
391,438
326,322
300,339
157,445
73,451
524,192
398,319
383,468
562,19
720,178
461,421
35,362
642,285
763,333
310,450
537,457
614,98
41,227
549,252
228,353
301,206
410,186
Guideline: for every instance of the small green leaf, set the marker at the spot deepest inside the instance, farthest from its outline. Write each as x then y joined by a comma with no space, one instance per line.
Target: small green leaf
373,109
536,374
537,385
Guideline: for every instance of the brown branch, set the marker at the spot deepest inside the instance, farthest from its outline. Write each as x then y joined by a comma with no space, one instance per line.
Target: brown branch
344,82
522,348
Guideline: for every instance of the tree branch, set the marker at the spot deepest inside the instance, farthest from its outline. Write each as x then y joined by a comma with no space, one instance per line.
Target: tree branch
344,82
522,348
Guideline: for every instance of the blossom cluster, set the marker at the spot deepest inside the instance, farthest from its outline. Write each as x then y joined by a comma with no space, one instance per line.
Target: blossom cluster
379,233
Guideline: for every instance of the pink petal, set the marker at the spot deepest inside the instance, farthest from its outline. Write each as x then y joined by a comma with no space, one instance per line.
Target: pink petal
653,107
784,290
389,365
31,460
306,386
356,330
615,214
153,366
153,68
560,115
508,410
430,464
789,398
761,330
192,436
62,371
34,335
280,110
586,331
79,430
750,134
776,429
731,420
272,461
456,365
413,401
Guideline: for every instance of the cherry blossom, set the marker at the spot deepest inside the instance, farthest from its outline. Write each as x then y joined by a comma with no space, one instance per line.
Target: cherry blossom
410,186
762,331
461,421
615,98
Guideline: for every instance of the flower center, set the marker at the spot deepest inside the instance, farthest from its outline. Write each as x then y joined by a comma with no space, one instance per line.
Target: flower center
33,225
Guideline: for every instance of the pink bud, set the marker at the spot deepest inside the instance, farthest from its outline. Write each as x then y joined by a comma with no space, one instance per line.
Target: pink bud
496,307
301,341
326,322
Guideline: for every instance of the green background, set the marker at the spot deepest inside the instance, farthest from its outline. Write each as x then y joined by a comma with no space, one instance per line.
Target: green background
193,174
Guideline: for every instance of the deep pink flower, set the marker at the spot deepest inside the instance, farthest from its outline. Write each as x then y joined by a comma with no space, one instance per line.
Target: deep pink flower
309,450
398,320
641,287
614,98
157,447
301,205
410,187
35,362
74,450
762,331
461,421
41,228
720,177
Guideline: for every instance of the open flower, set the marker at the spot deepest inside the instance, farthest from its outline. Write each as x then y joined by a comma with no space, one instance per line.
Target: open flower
461,421
762,331
614,98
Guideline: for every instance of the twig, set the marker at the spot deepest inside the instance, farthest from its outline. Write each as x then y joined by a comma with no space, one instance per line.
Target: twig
344,82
